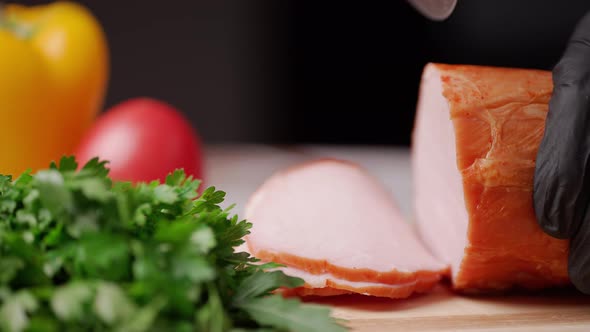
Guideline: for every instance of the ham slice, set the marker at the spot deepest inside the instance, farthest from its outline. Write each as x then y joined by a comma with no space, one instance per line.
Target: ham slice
338,227
475,140
327,285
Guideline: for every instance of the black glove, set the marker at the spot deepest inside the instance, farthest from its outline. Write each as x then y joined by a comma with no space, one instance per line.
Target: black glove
562,174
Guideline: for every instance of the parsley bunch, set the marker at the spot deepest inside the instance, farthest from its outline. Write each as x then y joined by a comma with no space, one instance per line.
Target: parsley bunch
81,253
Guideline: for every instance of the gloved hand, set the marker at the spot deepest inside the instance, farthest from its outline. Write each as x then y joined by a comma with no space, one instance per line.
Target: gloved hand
562,174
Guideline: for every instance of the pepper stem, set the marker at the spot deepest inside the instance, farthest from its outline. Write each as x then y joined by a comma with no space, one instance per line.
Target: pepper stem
21,31
2,18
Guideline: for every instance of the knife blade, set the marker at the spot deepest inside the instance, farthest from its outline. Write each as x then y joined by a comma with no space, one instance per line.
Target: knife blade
436,10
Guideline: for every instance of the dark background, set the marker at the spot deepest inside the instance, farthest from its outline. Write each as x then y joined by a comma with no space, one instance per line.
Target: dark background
314,71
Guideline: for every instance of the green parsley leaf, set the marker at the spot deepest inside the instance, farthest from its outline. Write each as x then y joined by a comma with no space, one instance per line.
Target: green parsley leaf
81,253
52,191
67,163
14,312
68,301
111,304
9,267
290,315
261,283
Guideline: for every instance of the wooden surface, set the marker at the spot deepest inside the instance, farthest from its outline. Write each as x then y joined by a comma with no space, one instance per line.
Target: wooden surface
441,310
239,170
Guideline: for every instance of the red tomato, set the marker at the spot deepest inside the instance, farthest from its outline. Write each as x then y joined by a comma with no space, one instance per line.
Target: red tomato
143,139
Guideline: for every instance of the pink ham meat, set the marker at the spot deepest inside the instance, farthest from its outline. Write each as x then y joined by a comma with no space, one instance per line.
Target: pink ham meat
336,226
475,140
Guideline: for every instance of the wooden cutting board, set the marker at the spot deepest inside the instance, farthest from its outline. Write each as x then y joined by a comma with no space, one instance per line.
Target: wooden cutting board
442,310
240,169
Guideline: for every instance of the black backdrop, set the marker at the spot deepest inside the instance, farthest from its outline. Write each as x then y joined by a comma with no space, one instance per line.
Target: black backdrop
313,71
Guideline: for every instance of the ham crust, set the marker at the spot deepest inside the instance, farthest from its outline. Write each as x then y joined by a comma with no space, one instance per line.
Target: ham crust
315,266
328,285
495,119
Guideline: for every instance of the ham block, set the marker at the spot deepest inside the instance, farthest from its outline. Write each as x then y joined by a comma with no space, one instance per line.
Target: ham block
474,144
335,225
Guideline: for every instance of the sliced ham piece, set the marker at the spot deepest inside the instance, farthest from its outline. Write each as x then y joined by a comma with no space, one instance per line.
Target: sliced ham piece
332,220
327,285
475,139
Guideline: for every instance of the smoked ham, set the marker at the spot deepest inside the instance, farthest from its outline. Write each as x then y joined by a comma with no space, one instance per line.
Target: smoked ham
474,144
338,227
475,139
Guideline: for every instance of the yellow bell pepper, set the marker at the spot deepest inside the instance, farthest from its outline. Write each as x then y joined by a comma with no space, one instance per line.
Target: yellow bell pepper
53,76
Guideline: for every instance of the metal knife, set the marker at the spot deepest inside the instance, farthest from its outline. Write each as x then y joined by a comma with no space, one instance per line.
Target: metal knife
436,10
